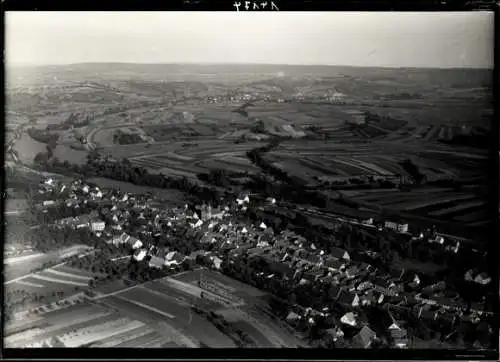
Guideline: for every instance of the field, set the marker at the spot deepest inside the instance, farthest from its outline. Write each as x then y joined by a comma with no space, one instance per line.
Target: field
48,283
166,306
178,159
85,324
445,204
342,122
18,268
27,148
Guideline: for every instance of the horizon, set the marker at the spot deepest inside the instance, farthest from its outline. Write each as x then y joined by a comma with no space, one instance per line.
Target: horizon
33,65
364,39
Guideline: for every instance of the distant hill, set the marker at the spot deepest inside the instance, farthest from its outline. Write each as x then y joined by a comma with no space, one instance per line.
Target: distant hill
456,78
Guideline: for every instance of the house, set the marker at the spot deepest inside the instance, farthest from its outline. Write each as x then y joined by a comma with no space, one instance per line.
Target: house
437,240
388,320
308,278
195,254
217,262
334,265
198,223
170,255
97,225
140,254
339,253
121,239
135,243
364,338
439,286
352,271
381,285
282,269
177,259
425,313
156,262
335,333
81,222
371,297
293,317
347,299
349,319
399,337
313,259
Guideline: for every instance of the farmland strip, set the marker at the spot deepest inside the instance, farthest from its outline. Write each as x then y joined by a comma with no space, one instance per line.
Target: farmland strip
460,207
64,274
146,306
49,279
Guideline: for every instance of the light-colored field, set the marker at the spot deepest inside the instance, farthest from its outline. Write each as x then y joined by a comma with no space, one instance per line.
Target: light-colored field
96,333
49,282
23,258
17,270
185,324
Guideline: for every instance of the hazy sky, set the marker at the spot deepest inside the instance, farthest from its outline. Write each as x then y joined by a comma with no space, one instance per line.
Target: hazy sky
337,38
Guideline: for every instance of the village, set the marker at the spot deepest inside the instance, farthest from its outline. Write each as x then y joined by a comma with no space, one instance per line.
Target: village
325,290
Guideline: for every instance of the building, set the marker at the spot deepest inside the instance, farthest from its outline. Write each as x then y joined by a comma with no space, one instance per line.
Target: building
97,225
217,262
402,228
140,254
174,258
335,333
349,319
156,262
339,253
120,239
334,265
293,317
364,338
134,243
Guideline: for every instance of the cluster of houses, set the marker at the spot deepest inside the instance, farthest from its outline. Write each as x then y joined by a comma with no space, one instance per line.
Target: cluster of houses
352,284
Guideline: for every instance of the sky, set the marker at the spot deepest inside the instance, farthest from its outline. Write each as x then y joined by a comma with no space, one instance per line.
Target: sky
437,40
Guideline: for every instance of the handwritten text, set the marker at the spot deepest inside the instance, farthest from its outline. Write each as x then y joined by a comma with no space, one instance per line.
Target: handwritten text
255,5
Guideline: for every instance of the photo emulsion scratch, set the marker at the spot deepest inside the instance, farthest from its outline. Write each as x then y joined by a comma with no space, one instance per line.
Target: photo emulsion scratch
234,180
